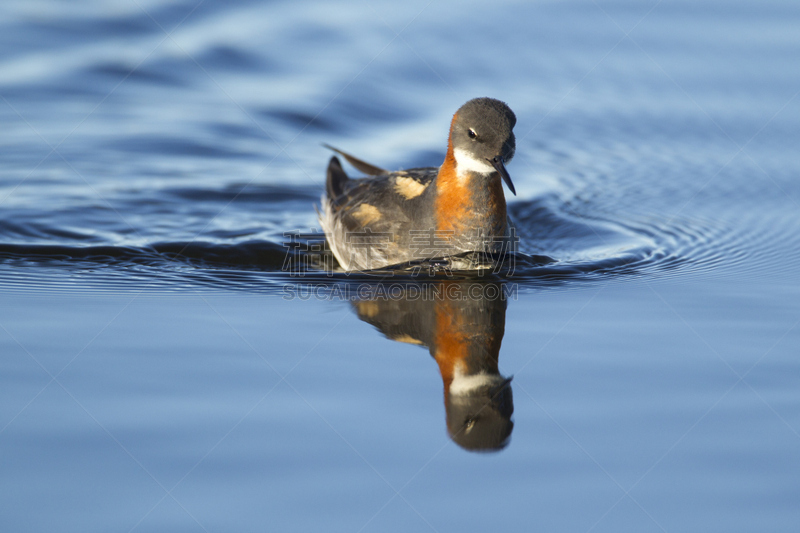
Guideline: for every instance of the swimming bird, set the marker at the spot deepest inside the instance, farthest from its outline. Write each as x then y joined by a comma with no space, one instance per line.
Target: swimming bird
392,217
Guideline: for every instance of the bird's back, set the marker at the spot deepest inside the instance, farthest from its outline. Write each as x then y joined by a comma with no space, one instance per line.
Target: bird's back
378,221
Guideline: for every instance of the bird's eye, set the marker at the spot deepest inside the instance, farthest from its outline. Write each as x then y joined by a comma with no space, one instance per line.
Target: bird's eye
472,134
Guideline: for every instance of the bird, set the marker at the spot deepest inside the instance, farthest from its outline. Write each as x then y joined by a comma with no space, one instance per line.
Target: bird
393,217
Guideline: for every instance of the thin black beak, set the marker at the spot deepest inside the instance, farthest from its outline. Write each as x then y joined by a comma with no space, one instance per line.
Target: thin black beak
497,389
497,163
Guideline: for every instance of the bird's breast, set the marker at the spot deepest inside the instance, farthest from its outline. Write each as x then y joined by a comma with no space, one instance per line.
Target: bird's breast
470,206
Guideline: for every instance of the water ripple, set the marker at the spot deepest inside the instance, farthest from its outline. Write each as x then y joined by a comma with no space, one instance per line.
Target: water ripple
559,246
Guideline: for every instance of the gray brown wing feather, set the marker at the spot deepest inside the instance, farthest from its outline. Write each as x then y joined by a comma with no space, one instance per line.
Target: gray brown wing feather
363,166
391,209
386,207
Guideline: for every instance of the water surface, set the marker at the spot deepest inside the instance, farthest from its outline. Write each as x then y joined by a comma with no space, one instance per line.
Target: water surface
162,370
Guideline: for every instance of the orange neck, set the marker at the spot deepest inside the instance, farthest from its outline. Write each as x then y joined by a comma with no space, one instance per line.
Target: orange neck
467,203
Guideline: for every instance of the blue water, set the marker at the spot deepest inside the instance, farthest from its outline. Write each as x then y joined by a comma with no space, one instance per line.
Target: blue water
162,370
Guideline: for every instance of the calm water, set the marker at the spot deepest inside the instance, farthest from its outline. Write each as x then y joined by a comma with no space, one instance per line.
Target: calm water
161,371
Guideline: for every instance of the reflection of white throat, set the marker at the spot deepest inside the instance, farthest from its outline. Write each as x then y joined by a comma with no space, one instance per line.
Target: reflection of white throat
464,384
466,163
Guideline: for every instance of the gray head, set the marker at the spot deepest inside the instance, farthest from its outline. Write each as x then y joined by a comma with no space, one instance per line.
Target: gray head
481,420
482,137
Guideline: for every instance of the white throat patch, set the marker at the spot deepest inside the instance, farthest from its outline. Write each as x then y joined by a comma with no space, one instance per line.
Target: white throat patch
466,163
463,385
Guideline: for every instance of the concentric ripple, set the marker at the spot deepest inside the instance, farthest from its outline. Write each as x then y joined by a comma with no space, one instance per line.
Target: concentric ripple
559,245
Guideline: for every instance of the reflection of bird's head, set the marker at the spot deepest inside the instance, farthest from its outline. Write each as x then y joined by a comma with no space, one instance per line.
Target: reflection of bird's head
479,410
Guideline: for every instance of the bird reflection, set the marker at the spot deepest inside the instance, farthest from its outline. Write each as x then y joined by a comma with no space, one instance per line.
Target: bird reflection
462,324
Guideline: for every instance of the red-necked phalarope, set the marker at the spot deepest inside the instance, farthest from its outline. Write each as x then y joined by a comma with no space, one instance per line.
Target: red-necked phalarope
422,213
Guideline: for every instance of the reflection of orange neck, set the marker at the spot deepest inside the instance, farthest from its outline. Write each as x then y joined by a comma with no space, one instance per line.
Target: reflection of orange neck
449,342
461,345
